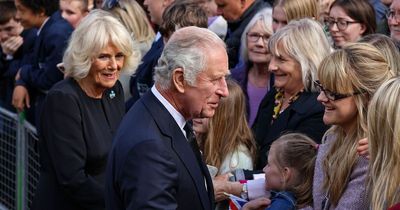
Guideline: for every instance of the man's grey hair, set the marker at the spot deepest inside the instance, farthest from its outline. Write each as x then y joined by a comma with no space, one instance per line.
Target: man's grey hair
188,48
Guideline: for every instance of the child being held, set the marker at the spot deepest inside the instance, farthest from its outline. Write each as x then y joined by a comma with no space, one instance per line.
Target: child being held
288,174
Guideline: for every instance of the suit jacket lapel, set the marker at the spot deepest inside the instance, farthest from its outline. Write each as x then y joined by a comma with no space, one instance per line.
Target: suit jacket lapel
180,145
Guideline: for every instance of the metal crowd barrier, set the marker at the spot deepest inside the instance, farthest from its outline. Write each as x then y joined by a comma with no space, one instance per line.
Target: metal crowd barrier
19,161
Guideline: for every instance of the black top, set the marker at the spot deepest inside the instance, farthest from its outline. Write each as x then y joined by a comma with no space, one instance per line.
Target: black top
75,139
304,115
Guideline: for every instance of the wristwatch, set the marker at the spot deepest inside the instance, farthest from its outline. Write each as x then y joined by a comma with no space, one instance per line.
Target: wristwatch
244,194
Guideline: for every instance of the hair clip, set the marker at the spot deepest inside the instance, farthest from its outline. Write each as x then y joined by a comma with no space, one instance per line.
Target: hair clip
112,94
109,4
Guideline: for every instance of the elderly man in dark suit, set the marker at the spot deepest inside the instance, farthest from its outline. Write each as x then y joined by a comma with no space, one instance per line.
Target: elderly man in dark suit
155,162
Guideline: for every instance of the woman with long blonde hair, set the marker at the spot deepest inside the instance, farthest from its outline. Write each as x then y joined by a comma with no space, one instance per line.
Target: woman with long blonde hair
348,77
384,149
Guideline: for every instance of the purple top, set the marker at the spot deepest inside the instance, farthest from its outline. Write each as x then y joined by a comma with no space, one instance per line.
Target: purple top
355,195
255,94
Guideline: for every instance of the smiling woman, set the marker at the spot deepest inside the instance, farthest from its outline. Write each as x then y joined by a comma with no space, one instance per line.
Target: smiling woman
82,113
296,50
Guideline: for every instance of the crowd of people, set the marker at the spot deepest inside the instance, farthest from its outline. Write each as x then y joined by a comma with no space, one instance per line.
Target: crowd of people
196,104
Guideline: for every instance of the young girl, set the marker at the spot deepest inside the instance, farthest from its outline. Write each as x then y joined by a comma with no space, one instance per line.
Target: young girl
289,173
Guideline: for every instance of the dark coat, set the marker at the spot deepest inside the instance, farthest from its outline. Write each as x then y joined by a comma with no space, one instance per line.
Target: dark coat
42,73
142,81
152,166
303,116
76,137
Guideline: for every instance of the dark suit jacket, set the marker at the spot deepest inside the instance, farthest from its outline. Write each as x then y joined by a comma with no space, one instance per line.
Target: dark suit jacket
76,137
9,68
152,166
142,81
303,116
42,73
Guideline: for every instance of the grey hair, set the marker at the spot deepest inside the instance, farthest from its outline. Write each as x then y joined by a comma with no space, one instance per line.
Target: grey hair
265,17
303,40
96,31
187,48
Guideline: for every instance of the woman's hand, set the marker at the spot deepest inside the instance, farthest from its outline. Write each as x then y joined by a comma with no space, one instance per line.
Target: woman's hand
362,148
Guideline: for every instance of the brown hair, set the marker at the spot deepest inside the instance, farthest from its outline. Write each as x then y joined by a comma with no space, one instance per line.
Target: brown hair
179,15
359,10
7,11
228,128
298,151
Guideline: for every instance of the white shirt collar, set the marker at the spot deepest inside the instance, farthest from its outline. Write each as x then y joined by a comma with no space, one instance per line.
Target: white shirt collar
178,117
40,29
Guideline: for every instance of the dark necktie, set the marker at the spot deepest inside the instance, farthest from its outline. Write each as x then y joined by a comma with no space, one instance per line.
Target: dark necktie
192,139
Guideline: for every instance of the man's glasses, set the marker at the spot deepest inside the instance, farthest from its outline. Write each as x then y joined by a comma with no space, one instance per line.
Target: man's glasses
341,24
254,37
393,15
330,94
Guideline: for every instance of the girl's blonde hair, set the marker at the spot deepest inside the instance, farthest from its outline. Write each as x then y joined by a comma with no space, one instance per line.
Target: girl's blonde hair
357,68
298,151
228,128
384,145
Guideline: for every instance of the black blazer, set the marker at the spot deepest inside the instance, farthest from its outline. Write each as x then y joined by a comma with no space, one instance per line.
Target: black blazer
303,116
152,166
75,139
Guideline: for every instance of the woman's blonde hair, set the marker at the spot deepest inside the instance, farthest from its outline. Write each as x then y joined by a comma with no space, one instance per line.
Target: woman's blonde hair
228,128
305,41
357,68
384,145
298,151
134,18
298,9
387,47
96,31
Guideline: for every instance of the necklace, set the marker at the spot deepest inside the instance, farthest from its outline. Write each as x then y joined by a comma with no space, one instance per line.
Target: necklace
279,99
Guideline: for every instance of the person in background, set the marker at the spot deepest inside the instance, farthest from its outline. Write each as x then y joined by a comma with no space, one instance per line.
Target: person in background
238,13
286,10
387,47
81,115
349,20
74,11
292,106
384,140
226,139
393,18
348,79
177,15
41,73
155,162
16,46
288,174
297,49
134,18
253,76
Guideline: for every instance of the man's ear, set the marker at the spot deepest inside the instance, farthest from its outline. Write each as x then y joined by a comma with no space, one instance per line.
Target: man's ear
178,80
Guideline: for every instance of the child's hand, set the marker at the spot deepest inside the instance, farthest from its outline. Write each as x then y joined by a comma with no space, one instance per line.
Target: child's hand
362,148
257,204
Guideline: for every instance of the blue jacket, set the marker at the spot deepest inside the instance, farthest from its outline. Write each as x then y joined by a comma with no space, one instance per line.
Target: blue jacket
42,73
282,201
142,81
9,68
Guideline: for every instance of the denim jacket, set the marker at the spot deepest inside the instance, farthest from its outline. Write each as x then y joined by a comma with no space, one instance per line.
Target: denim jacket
283,200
